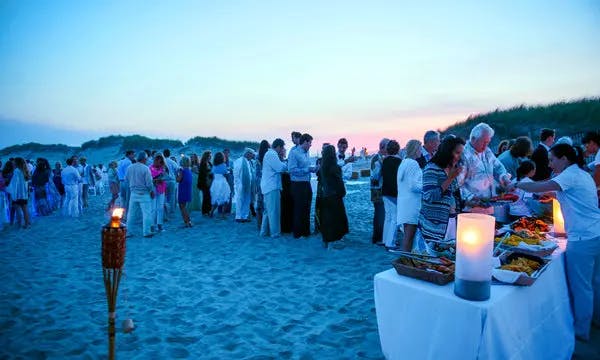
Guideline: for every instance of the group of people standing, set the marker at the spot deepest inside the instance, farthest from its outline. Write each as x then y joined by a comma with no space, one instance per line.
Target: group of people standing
285,191
422,191
28,189
266,184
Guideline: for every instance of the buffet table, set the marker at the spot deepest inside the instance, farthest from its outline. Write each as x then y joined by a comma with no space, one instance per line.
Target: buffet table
419,320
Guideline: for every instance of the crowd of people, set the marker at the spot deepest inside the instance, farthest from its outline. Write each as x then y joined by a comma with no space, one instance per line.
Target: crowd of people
269,183
28,188
421,193
417,191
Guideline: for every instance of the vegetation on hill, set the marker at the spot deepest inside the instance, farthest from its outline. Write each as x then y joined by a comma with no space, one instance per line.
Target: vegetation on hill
568,118
219,144
139,142
33,147
113,140
133,142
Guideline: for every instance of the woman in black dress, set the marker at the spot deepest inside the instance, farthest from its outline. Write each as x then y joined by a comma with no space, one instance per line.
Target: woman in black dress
333,219
205,177
39,179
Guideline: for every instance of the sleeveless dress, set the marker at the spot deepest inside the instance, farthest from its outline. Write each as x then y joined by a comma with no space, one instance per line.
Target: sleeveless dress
219,190
184,194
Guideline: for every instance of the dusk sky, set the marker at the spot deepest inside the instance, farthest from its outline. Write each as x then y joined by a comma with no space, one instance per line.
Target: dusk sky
260,69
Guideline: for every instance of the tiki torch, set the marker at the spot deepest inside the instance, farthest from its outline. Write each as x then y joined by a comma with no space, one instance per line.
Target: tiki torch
113,258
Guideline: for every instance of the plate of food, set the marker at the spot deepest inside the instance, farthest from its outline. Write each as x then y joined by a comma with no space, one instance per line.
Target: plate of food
531,224
527,242
519,269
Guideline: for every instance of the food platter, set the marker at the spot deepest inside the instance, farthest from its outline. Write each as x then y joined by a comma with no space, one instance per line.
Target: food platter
531,224
526,235
518,268
428,268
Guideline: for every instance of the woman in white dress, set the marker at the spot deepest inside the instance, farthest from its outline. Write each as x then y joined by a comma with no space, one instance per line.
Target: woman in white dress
4,202
19,192
410,185
219,189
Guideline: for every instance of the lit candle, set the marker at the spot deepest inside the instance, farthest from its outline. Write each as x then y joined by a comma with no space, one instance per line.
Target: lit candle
115,219
474,247
559,221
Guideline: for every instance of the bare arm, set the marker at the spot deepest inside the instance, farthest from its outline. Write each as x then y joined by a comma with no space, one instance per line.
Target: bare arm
539,186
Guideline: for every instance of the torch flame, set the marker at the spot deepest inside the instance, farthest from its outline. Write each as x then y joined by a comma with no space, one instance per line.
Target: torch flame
115,220
117,213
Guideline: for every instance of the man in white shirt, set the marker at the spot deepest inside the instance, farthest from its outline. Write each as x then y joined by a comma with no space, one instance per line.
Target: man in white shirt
77,165
270,185
122,167
345,162
87,180
481,170
171,193
242,179
141,190
71,180
576,193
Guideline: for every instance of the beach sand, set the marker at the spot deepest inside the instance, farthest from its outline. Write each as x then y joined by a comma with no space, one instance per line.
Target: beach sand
214,291
217,290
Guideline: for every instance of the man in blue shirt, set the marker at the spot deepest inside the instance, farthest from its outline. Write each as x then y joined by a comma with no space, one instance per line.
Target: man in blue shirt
300,170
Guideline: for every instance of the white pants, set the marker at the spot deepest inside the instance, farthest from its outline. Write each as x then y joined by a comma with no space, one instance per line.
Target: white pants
100,187
143,202
158,209
4,208
171,197
389,224
242,204
271,224
71,205
583,277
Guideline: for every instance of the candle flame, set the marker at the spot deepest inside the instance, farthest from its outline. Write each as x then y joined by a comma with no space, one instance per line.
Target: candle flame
559,221
118,213
470,237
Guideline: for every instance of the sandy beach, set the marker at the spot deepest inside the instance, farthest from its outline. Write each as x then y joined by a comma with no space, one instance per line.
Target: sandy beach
215,291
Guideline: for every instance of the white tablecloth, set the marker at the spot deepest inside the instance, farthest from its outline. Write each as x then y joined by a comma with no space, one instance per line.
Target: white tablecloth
419,320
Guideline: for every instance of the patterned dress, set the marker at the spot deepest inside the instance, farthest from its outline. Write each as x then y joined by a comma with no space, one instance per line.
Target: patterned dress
437,205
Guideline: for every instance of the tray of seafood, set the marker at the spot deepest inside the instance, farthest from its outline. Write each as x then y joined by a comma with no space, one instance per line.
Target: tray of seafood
437,270
530,224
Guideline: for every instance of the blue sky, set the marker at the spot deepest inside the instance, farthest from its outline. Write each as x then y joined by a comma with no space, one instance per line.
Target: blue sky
259,69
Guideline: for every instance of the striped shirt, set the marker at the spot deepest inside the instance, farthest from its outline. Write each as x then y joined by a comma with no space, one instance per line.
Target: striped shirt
437,205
